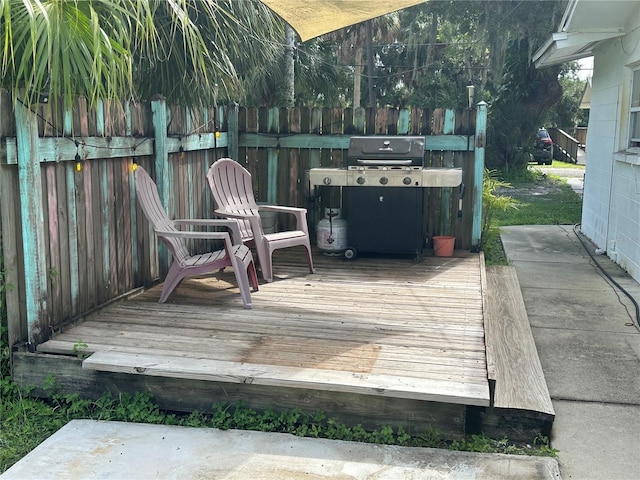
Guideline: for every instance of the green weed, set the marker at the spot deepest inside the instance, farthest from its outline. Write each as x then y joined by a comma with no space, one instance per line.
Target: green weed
484,444
79,349
27,421
493,202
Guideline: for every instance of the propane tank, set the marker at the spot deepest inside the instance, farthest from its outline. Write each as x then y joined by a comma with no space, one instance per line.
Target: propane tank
332,232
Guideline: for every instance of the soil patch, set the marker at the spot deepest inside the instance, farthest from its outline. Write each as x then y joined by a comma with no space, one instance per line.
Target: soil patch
530,191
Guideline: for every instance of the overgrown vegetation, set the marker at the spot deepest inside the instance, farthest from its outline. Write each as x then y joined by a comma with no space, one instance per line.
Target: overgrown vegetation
492,202
537,198
542,199
5,352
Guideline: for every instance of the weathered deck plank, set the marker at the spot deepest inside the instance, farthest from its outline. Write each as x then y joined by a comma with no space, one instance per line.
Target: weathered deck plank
432,389
511,350
178,394
418,343
377,326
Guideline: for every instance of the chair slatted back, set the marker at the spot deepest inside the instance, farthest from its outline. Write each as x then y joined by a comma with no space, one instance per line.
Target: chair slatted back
232,191
149,201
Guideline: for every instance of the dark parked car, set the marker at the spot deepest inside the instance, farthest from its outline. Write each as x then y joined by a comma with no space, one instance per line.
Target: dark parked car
543,148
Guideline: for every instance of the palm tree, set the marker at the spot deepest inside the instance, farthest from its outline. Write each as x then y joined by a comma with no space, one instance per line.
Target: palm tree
318,80
353,41
132,49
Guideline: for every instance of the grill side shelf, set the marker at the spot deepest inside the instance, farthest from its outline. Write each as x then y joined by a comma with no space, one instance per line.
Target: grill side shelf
430,177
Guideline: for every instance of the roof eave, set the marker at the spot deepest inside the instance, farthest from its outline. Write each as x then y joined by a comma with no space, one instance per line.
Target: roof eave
567,46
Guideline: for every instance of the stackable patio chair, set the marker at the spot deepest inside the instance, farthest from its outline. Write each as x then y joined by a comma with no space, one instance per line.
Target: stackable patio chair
232,191
234,254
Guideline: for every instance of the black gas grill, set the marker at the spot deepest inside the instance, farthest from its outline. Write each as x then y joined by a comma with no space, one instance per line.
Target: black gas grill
383,186
385,204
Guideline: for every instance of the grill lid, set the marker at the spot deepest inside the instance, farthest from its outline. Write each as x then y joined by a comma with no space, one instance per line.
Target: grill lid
386,150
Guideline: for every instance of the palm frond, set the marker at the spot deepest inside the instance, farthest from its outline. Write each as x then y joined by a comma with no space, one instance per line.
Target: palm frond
122,49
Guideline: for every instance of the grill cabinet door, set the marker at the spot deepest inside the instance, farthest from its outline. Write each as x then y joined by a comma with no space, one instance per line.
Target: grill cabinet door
385,219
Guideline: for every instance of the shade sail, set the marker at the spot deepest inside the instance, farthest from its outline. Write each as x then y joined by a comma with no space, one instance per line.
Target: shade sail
311,18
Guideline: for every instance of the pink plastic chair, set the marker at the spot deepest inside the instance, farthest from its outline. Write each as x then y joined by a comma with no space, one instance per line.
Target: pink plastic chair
185,265
232,191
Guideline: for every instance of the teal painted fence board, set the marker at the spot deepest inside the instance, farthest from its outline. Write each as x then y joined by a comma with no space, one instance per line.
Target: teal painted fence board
403,122
63,149
163,177
432,142
255,140
31,210
161,154
481,136
455,143
449,122
100,122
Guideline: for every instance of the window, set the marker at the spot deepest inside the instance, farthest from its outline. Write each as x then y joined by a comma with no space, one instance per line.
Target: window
634,127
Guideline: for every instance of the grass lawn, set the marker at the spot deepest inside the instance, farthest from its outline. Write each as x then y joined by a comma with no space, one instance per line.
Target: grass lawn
559,164
538,199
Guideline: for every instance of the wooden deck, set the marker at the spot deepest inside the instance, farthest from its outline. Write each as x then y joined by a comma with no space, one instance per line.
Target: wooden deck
393,340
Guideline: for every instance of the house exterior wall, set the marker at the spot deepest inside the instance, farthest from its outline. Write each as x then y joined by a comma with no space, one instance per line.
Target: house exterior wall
611,205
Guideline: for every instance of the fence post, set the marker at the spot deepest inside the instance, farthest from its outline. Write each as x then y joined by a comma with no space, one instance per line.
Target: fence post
478,170
163,171
31,211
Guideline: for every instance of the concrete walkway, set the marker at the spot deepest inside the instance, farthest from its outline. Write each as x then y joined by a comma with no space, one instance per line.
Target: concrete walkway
86,449
589,348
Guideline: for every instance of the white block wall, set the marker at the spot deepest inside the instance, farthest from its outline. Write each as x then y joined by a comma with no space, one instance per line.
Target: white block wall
611,205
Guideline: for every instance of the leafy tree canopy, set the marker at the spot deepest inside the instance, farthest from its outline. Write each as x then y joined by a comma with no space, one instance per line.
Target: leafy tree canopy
122,49
191,50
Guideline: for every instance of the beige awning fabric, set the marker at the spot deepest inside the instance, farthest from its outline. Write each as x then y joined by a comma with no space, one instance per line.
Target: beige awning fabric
311,18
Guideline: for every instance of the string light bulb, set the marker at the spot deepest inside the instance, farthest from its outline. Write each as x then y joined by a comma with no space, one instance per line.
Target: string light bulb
134,166
78,160
217,133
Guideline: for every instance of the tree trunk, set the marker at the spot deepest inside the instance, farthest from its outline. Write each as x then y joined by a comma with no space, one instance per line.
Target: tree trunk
370,72
289,75
357,77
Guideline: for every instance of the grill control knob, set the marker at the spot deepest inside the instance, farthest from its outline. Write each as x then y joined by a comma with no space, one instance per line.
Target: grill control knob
360,180
326,180
406,180
384,180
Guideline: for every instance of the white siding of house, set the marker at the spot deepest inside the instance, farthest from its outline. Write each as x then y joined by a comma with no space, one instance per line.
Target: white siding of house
611,207
600,141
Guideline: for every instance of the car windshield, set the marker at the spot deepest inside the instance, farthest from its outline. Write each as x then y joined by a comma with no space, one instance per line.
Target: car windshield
543,134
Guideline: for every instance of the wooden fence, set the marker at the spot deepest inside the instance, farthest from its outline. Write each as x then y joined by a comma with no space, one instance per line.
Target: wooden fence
74,238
